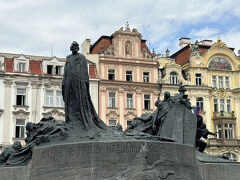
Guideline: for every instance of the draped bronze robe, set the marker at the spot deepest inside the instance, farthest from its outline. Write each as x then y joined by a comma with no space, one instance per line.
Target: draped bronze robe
79,109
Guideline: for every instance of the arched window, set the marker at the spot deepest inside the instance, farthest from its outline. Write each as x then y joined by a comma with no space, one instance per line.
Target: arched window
231,156
199,103
128,48
220,63
173,78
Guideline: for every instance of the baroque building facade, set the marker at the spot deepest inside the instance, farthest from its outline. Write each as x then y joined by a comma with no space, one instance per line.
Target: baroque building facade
30,88
211,73
128,76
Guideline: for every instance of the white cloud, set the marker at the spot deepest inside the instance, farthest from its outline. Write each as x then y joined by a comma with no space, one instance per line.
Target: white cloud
33,26
204,33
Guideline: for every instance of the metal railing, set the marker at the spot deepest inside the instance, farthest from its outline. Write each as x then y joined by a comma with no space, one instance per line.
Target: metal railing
223,114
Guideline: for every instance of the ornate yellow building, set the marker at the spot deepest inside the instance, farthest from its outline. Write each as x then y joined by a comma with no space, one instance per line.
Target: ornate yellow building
211,73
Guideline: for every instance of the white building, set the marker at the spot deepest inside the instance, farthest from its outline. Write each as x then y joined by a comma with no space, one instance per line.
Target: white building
30,88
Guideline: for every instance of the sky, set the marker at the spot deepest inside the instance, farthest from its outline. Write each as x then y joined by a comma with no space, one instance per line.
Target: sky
47,27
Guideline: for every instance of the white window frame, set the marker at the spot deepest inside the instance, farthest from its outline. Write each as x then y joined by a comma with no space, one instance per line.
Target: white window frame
220,82
59,69
146,76
147,101
222,105
229,131
112,99
23,96
129,100
219,131
173,78
21,134
231,156
129,75
111,73
229,106
227,82
22,67
198,79
49,99
214,81
21,59
59,99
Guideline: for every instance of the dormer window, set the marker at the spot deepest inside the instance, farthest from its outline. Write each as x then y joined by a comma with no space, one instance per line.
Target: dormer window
21,67
58,70
21,64
49,69
53,67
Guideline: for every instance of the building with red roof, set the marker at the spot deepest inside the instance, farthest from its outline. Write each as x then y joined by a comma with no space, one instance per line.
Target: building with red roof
30,88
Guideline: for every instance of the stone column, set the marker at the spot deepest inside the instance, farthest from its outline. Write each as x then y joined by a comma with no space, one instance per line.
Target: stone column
7,112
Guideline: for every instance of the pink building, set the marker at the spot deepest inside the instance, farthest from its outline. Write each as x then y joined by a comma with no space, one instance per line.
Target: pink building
128,77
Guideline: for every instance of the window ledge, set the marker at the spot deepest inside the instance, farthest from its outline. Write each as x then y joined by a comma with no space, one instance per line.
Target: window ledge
20,106
52,107
112,107
130,108
18,139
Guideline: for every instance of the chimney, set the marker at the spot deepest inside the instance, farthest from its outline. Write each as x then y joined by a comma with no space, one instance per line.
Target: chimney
86,46
207,42
184,42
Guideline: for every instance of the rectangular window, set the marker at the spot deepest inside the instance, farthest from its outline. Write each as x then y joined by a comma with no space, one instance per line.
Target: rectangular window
49,98
147,101
214,81
58,70
222,105
229,107
21,67
200,103
219,130
145,76
198,79
59,99
229,131
111,74
20,128
111,99
112,122
227,82
49,69
129,100
215,101
21,97
128,75
220,81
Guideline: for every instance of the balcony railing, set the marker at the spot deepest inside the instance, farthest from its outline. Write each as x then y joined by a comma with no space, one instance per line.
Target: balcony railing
223,142
223,114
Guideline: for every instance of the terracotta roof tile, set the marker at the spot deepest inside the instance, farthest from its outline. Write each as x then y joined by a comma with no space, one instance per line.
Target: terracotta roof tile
35,67
9,65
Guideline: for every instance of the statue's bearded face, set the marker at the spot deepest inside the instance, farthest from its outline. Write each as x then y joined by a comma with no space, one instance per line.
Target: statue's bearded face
75,48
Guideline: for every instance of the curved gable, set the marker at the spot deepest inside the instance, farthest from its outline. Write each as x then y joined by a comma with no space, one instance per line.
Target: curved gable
220,63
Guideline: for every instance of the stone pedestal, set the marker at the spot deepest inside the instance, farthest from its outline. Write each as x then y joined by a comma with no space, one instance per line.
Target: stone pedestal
119,160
